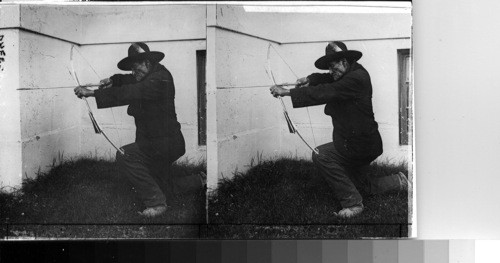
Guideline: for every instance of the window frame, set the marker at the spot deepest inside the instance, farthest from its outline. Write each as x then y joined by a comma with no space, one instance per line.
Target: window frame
404,96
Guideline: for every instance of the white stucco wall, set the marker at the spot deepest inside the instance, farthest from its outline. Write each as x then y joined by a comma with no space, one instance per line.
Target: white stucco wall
46,122
250,121
303,24
92,24
247,123
49,116
10,128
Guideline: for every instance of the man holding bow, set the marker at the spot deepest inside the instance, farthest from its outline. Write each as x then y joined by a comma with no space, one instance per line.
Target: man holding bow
347,92
149,93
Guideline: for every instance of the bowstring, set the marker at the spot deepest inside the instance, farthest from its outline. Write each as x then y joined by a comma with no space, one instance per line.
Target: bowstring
297,77
111,109
291,126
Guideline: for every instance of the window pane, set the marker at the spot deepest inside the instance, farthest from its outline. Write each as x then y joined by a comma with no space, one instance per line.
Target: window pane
201,56
404,61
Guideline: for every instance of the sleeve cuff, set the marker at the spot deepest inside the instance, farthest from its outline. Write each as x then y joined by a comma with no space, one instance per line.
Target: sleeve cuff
98,98
295,95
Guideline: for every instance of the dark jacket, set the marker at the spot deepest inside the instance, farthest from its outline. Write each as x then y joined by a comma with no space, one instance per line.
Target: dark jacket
349,103
151,103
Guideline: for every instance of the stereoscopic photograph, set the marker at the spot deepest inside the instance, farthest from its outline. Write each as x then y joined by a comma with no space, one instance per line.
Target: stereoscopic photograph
206,121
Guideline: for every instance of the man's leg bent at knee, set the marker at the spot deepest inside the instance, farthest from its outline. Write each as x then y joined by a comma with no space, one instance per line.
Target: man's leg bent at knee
391,183
177,181
135,165
373,184
333,168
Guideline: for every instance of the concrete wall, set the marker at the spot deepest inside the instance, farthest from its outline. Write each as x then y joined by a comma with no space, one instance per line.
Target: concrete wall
93,24
321,25
49,116
249,120
45,121
10,128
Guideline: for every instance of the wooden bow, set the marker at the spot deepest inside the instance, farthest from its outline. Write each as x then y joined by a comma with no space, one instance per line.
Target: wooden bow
97,127
291,126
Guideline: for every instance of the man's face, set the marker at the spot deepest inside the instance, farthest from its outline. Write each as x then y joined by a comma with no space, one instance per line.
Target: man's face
141,69
338,68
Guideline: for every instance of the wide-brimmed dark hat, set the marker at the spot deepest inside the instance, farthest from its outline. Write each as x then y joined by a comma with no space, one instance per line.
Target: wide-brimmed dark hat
139,51
336,50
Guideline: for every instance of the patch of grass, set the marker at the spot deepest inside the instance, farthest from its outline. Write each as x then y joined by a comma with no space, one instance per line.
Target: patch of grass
284,198
288,197
92,191
304,231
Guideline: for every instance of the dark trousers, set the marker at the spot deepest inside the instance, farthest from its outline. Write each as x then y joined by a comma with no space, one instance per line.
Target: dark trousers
345,174
152,178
